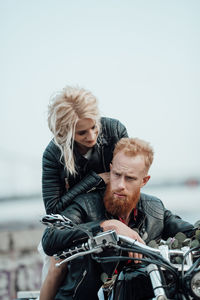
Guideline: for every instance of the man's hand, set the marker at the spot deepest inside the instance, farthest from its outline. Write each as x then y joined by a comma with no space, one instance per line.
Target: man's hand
123,229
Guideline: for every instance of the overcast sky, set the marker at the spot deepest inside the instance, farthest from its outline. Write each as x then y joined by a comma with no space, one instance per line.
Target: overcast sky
140,58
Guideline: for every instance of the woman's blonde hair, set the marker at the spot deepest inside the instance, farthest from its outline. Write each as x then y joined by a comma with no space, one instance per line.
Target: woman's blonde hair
66,108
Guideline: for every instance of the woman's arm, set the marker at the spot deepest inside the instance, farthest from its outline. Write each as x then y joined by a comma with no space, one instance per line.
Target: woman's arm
55,195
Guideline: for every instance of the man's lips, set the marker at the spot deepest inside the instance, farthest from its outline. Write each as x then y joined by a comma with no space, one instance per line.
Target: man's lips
119,195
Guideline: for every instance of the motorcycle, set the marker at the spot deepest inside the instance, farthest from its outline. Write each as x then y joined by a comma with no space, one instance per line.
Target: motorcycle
169,273
165,271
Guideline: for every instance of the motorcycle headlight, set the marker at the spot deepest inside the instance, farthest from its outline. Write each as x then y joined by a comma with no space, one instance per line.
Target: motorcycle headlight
195,284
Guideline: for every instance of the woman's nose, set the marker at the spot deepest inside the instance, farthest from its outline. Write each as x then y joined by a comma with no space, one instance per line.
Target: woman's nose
91,135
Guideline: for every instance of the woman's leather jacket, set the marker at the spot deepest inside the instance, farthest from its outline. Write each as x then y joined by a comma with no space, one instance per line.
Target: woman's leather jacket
59,188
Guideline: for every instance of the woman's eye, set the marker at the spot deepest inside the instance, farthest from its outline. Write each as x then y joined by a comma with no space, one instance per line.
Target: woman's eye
81,133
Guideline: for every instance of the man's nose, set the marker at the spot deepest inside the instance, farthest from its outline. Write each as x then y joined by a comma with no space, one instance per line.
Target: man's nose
121,183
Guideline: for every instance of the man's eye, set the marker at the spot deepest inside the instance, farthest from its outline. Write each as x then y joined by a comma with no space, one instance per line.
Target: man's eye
130,178
117,174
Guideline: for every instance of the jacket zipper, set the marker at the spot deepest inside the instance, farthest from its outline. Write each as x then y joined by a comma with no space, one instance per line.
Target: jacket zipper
104,166
141,223
103,160
79,283
92,189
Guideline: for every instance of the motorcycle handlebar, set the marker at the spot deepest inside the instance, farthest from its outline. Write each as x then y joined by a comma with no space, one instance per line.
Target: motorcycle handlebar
98,243
110,239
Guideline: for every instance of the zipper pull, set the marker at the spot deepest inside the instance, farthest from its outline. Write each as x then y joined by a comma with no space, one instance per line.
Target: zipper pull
92,189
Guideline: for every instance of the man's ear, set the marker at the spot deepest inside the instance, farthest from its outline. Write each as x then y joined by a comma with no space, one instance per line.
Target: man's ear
145,180
110,166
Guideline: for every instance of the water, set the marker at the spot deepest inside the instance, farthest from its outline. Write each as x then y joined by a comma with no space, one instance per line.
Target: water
23,212
181,200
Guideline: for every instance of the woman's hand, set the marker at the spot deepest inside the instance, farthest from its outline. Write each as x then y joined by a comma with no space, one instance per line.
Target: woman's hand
105,176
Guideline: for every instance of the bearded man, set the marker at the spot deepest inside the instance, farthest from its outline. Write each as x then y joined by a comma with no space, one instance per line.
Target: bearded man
122,207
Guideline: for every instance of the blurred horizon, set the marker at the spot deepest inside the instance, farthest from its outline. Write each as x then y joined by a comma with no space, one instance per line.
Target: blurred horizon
22,177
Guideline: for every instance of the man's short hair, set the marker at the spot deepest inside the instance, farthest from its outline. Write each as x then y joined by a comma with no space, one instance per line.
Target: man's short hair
134,146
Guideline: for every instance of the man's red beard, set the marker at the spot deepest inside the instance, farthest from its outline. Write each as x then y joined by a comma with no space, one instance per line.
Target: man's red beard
120,207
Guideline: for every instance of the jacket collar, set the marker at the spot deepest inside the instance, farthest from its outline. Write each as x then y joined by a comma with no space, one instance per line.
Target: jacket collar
101,141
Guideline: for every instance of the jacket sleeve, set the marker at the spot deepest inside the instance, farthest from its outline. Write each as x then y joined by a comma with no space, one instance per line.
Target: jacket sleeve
55,240
121,130
174,224
55,196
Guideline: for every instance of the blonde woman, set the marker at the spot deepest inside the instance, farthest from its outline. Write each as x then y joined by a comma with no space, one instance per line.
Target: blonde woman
77,159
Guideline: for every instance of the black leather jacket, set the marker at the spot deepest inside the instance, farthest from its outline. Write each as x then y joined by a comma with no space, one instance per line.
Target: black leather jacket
55,176
153,222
